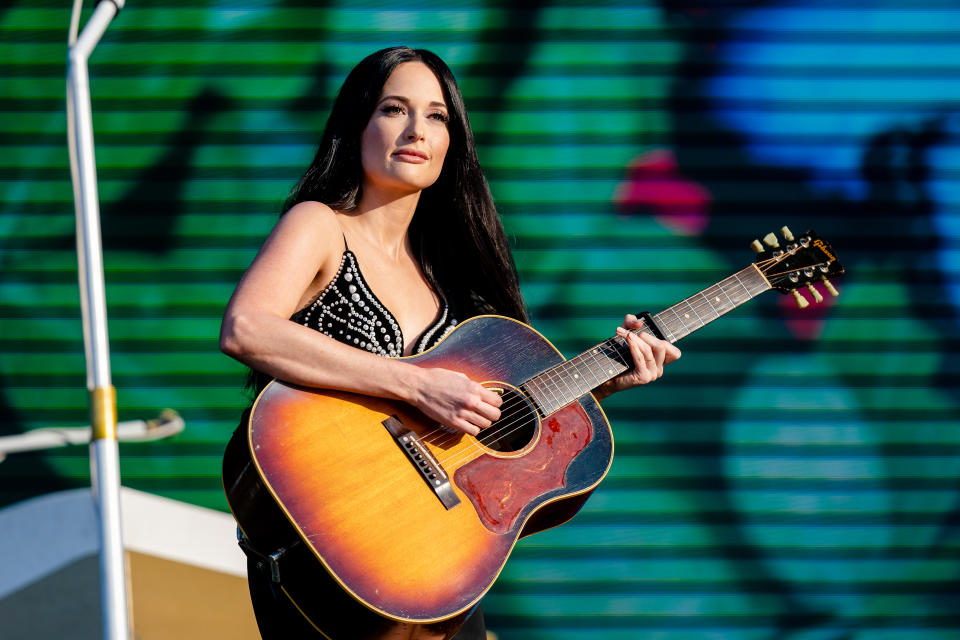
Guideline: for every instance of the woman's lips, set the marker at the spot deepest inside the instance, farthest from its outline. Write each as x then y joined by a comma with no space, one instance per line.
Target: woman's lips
411,155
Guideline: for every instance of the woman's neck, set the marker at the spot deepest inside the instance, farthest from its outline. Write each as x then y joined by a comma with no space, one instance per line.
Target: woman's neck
384,221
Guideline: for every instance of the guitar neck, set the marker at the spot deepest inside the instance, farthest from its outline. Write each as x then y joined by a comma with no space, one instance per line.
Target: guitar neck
574,378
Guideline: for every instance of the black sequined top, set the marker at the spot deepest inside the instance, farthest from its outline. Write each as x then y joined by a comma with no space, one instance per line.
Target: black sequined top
348,311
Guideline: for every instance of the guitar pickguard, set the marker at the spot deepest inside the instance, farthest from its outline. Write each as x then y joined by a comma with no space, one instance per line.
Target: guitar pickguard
502,488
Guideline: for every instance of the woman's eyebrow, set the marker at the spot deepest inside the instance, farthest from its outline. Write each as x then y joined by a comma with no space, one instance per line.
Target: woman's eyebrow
405,100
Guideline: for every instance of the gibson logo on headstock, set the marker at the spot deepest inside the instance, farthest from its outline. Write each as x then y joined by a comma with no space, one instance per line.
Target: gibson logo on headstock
819,243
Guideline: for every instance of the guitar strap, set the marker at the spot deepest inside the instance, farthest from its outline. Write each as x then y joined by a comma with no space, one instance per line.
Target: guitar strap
271,560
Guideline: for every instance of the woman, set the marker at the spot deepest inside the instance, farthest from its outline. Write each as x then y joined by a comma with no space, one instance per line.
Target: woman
388,240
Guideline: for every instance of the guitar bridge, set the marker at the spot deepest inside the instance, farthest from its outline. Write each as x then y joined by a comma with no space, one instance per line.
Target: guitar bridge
423,461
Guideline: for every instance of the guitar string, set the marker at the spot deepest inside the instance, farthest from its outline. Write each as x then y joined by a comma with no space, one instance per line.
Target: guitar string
594,354
503,431
476,448
504,428
783,273
441,435
466,454
765,267
457,459
472,451
505,414
509,423
446,436
545,377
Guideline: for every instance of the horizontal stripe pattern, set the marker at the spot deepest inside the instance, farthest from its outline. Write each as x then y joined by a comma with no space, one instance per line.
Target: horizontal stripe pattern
790,474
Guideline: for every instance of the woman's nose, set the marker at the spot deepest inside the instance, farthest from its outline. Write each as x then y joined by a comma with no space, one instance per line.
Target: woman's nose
414,131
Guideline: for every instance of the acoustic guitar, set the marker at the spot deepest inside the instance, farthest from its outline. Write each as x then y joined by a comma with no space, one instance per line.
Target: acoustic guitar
377,522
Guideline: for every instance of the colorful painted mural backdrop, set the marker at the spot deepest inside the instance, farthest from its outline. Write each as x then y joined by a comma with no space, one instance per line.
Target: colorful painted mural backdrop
796,475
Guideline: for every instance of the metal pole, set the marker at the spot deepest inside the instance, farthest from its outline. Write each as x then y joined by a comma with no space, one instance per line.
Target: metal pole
104,453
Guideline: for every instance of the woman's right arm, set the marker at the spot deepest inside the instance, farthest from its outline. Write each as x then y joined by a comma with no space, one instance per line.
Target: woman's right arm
256,330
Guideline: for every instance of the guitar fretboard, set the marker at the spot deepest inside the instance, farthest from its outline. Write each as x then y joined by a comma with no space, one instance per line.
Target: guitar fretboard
557,387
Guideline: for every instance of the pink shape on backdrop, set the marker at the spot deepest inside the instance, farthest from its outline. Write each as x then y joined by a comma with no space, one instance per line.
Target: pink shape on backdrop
654,185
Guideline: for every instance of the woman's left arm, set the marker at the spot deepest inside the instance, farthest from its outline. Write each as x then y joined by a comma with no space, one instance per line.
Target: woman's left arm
650,354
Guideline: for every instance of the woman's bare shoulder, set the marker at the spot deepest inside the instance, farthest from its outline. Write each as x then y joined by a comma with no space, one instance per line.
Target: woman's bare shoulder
313,214
309,224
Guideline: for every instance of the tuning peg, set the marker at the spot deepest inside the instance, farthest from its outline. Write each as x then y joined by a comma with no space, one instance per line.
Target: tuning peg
801,301
830,288
787,234
771,240
816,294
756,246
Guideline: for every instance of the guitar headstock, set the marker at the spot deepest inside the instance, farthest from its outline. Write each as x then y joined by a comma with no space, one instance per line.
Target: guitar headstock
802,260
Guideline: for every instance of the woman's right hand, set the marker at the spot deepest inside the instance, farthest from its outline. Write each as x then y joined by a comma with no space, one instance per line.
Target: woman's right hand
454,400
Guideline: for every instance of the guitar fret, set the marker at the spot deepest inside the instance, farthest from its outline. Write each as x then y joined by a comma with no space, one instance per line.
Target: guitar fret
613,363
562,384
699,319
576,376
558,386
533,388
528,388
683,324
620,345
717,301
749,295
691,307
589,360
601,364
709,304
667,331
611,360
586,378
726,295
550,387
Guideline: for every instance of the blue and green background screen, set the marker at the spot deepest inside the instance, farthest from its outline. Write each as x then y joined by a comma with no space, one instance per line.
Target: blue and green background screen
795,475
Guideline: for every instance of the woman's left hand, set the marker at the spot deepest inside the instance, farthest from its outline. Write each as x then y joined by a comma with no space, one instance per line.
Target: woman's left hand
650,354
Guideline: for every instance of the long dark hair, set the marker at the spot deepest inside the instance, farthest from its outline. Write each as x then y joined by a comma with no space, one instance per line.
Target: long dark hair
456,233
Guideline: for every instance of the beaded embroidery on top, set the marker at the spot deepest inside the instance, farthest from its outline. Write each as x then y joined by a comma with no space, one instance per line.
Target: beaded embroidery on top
349,312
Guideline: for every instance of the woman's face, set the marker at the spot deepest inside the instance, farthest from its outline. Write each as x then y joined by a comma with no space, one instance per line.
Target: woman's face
406,139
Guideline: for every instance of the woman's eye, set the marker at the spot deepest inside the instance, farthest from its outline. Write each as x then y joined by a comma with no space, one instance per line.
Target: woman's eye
392,109
442,117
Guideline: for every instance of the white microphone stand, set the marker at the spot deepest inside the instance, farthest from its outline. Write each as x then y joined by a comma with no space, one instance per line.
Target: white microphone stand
104,452
167,425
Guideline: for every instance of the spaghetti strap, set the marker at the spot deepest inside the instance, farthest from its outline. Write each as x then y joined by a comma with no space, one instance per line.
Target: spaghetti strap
343,235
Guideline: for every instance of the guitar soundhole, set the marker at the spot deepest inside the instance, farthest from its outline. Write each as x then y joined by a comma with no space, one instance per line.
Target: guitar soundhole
516,427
